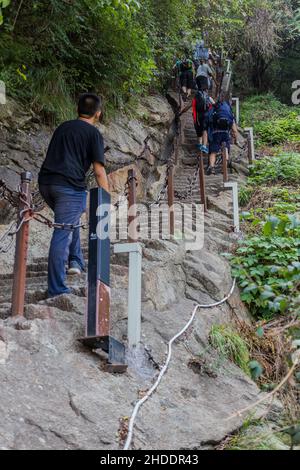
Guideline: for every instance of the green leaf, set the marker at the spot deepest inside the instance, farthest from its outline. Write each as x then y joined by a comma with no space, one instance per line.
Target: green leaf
266,294
268,228
256,369
260,332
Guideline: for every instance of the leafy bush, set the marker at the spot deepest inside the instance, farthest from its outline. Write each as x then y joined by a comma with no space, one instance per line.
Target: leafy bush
274,122
283,168
117,48
245,193
262,108
267,267
230,345
280,130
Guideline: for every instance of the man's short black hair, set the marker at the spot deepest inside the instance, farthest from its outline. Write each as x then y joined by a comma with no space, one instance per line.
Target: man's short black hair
89,104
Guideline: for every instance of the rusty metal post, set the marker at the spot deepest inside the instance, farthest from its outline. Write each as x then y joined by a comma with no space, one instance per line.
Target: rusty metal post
132,212
171,200
22,239
176,150
224,161
202,183
182,129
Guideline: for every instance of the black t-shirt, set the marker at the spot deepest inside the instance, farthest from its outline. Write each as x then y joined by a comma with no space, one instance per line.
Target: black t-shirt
75,145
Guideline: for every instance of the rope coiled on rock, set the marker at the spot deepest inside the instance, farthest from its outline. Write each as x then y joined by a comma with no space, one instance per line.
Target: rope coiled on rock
165,367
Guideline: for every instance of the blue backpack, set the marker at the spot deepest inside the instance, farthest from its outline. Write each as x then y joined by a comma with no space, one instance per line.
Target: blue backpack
222,117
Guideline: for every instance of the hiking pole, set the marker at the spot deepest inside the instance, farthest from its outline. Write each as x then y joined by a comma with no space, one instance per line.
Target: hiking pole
22,238
202,183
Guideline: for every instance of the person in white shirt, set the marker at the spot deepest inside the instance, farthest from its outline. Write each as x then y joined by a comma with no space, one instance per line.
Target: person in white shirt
204,76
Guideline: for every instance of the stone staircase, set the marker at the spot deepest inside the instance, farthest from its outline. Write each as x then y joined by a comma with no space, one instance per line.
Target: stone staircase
218,218
36,281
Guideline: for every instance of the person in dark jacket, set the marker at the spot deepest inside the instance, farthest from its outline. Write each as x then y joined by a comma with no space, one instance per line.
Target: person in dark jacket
74,147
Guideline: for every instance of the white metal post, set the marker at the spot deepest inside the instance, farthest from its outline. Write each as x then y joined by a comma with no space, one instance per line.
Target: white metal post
237,109
134,290
251,132
228,65
235,198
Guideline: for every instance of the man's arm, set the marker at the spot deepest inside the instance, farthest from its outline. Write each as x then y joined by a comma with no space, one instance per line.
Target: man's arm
101,176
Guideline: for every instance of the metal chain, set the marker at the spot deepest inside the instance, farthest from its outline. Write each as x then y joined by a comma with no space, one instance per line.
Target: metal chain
9,195
164,187
38,203
7,240
125,192
61,226
183,195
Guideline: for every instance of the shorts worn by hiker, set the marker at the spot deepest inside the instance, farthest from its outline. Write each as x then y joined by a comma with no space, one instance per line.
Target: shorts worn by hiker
200,126
217,139
201,105
187,79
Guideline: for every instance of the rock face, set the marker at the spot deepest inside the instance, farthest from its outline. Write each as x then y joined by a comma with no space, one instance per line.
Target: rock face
57,394
143,141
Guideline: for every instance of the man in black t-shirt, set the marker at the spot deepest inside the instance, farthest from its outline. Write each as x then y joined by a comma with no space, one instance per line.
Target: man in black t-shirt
75,146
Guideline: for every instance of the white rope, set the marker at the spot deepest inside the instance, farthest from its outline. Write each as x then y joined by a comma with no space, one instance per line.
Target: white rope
165,367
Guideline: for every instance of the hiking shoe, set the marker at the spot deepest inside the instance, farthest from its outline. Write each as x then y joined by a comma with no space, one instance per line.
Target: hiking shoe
74,269
204,149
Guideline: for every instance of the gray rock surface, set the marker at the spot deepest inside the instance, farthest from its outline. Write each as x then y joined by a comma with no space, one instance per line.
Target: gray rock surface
56,394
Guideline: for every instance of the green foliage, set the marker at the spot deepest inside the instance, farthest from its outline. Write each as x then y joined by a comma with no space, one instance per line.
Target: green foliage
280,130
118,48
255,436
3,4
274,122
267,267
256,369
245,193
285,168
89,46
230,345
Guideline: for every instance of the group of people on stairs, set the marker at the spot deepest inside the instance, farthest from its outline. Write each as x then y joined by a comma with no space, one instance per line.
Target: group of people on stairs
214,121
77,144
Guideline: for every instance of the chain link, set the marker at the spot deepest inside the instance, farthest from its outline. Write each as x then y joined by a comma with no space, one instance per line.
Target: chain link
37,201
165,185
192,181
56,225
7,240
13,197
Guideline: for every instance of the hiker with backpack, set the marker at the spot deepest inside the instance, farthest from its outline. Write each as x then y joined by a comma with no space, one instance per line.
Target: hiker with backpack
186,68
204,76
201,52
202,104
221,124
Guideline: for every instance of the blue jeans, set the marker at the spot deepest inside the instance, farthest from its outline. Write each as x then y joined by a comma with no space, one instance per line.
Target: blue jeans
68,205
